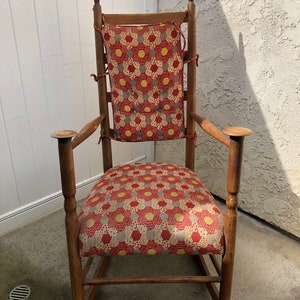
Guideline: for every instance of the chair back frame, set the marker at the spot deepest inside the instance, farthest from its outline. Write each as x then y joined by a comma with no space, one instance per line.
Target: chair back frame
189,95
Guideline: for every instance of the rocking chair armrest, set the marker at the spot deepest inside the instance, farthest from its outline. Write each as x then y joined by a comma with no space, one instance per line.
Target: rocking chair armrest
84,133
63,134
210,129
87,130
235,145
67,141
216,133
237,131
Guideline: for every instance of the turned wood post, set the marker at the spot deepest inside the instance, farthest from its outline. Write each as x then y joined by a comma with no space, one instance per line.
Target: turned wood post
236,135
191,87
68,184
102,88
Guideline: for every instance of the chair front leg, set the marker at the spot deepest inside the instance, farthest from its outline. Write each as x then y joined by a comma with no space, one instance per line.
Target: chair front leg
237,135
71,220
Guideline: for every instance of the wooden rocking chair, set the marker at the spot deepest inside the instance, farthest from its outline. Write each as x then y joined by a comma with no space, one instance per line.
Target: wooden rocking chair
149,208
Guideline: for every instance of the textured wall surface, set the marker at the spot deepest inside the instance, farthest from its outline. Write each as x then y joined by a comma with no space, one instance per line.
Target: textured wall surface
249,75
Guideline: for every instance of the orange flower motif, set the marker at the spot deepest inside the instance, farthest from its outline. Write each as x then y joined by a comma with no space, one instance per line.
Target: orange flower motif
179,218
120,195
147,194
141,53
118,53
90,224
147,179
119,219
149,217
208,221
144,83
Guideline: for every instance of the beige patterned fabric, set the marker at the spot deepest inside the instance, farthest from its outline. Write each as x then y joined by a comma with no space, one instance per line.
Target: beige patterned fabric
145,67
152,208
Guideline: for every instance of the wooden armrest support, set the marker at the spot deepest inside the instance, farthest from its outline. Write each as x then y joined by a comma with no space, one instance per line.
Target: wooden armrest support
87,130
67,141
84,133
211,129
237,135
235,144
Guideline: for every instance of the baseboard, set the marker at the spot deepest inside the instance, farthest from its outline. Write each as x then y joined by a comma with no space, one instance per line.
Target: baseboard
41,207
35,210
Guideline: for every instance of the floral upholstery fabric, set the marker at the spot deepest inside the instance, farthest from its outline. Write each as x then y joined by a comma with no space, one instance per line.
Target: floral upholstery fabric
145,64
152,208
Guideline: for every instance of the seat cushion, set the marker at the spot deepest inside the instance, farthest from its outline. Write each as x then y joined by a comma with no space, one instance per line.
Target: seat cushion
151,208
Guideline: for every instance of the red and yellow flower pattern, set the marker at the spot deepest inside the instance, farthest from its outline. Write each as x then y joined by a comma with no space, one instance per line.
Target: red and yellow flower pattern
151,208
145,64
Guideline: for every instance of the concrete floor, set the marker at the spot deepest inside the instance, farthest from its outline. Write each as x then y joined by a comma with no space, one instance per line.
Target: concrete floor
267,265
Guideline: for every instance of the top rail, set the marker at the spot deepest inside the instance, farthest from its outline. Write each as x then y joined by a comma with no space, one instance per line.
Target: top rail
147,18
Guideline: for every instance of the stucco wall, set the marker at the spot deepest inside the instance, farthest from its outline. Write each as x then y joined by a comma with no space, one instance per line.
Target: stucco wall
249,75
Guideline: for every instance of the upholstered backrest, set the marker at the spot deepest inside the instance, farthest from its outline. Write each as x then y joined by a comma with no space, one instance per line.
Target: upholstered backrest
144,55
145,67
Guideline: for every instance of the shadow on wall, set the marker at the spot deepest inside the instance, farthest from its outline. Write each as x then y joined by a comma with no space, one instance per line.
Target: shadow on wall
226,97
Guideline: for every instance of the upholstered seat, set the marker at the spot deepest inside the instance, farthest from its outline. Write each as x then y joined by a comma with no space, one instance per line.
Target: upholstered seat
150,209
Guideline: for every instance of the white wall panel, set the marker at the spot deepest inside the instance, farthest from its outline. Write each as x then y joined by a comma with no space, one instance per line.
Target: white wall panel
45,84
30,67
15,110
8,188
